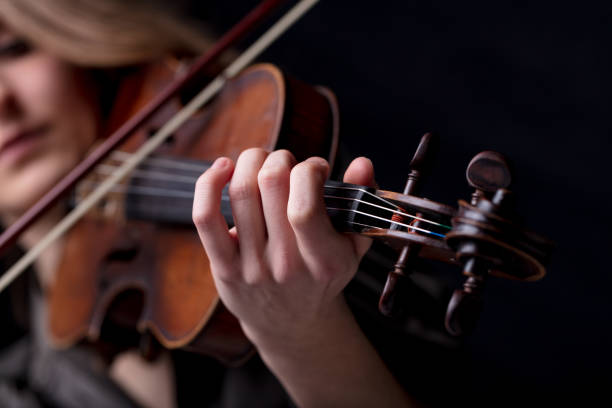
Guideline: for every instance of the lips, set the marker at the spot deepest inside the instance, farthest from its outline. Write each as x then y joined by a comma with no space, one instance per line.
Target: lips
15,144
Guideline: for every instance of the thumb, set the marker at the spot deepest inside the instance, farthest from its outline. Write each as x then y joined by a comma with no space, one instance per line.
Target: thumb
361,172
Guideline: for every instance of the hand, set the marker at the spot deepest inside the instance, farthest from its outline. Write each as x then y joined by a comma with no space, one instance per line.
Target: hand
281,271
282,268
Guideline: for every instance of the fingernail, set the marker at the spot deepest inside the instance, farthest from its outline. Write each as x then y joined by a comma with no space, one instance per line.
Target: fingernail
220,163
321,163
319,160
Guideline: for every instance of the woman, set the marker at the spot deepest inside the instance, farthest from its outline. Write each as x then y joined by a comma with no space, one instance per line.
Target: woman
282,269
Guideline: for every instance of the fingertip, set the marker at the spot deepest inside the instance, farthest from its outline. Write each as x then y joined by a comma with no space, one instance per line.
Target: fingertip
288,155
221,163
320,165
361,172
220,172
216,176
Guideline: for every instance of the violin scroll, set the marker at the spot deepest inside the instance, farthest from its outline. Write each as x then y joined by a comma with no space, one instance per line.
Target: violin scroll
487,240
487,172
485,237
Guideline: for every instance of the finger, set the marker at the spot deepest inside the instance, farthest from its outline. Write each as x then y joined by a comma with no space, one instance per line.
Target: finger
307,213
246,203
206,212
273,179
361,172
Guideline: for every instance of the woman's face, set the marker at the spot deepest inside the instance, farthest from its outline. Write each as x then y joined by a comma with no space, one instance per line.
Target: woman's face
49,117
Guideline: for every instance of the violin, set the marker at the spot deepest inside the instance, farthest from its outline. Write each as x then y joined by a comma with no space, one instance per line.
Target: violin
117,249
164,260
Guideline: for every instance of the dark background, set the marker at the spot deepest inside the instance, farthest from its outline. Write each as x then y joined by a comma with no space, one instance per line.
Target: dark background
528,79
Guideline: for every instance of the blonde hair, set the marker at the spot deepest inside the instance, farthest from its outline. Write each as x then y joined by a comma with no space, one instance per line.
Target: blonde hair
103,33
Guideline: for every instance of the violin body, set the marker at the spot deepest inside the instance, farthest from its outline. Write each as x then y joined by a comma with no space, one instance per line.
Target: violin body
145,247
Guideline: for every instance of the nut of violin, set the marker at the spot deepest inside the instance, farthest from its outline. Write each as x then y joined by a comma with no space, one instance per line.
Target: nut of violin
488,171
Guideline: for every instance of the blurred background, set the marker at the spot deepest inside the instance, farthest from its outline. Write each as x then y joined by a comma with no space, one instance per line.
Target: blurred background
528,79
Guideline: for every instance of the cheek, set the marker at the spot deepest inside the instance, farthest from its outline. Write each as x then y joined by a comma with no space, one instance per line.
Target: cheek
59,95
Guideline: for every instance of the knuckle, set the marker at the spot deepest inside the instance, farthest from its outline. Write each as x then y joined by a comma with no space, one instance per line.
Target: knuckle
310,169
252,154
282,277
327,270
271,176
276,168
303,168
203,217
240,190
285,156
203,211
284,269
254,276
300,212
225,273
254,151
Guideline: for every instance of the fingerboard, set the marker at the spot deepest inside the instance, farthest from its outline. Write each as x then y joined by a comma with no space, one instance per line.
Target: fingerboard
162,190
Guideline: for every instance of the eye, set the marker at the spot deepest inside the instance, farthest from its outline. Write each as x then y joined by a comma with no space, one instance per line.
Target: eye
14,48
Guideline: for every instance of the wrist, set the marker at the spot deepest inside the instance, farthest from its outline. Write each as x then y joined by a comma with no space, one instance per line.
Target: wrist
302,335
319,367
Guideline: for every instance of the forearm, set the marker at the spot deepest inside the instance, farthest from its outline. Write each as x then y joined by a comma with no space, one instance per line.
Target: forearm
334,365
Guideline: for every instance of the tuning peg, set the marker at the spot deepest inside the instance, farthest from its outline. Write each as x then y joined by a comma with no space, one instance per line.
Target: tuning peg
466,304
398,280
487,172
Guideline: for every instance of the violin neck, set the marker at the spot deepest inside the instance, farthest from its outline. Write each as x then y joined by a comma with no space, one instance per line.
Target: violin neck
161,190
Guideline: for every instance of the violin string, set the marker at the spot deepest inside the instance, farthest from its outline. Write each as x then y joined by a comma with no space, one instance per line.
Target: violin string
388,220
164,162
188,193
400,213
200,168
364,225
363,190
145,190
106,169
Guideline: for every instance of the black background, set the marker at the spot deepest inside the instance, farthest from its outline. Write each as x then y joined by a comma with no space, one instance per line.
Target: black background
528,79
